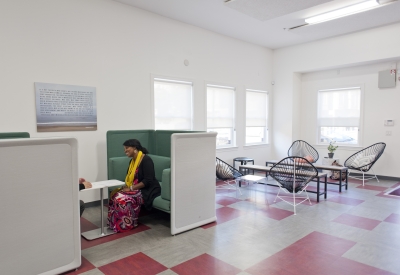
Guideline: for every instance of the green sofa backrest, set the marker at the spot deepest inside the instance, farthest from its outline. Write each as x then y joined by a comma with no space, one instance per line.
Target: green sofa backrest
14,135
162,142
160,163
117,168
116,138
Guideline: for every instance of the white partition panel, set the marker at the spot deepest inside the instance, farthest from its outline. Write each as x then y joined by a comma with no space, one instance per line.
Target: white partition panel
192,180
39,206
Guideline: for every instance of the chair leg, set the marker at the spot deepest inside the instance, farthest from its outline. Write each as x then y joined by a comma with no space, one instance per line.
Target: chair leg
363,178
308,198
237,186
294,201
277,194
375,174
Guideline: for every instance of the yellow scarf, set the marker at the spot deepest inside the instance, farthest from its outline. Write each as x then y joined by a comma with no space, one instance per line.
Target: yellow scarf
130,176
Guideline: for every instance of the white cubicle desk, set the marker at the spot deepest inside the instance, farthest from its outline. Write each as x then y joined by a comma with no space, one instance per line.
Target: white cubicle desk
100,186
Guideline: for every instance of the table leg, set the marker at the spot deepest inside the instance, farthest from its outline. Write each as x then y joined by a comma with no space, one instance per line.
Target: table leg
347,178
318,189
103,230
340,182
326,185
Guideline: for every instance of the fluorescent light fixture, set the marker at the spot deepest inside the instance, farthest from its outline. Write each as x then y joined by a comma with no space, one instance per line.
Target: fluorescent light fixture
360,7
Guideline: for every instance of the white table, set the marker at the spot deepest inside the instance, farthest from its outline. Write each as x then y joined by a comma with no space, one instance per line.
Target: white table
103,230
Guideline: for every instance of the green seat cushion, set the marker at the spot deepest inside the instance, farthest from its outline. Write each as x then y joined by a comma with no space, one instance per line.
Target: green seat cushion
166,187
162,205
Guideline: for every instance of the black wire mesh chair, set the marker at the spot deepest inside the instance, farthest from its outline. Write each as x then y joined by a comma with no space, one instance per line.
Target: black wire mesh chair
293,175
364,160
228,174
302,149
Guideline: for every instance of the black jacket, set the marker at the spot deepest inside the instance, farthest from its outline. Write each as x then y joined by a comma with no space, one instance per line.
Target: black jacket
146,175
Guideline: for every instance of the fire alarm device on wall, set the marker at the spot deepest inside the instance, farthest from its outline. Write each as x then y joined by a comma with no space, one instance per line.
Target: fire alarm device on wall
389,122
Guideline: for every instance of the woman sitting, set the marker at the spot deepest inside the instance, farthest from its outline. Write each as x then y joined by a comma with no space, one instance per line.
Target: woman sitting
141,187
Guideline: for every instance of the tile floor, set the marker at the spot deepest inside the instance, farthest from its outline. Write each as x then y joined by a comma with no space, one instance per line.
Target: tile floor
353,232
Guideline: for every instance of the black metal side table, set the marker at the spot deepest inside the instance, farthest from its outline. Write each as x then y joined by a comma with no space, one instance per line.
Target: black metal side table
243,161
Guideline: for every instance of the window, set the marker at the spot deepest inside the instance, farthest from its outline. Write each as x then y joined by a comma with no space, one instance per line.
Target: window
220,114
256,117
172,104
339,112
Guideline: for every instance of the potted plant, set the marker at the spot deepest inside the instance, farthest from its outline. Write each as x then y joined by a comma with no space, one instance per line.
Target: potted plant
332,148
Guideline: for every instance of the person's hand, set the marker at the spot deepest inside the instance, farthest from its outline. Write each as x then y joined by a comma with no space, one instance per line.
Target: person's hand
81,180
87,184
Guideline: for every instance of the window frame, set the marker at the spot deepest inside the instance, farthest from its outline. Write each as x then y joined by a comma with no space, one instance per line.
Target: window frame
233,131
170,79
361,119
266,130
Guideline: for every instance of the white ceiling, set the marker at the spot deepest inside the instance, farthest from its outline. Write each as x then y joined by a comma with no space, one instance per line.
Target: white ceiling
263,22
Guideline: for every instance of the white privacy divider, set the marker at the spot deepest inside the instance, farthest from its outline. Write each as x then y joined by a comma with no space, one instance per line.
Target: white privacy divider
39,206
192,180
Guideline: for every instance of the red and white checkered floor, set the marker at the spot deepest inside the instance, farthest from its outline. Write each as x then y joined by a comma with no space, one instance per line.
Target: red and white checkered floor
353,232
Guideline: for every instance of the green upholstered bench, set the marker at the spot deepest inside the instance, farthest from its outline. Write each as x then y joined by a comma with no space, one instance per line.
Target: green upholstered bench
117,167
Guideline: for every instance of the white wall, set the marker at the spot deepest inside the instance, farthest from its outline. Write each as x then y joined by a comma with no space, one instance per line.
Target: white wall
380,46
378,105
115,48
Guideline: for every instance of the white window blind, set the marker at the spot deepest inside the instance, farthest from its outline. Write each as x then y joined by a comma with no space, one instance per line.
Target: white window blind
256,117
172,104
220,107
339,108
221,113
256,109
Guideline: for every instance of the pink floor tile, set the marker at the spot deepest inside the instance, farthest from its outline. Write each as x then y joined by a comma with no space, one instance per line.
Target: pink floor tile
345,200
316,253
324,242
87,225
136,264
224,214
393,218
277,213
86,244
356,221
224,200
372,187
295,261
209,225
384,195
395,192
205,265
346,266
85,266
